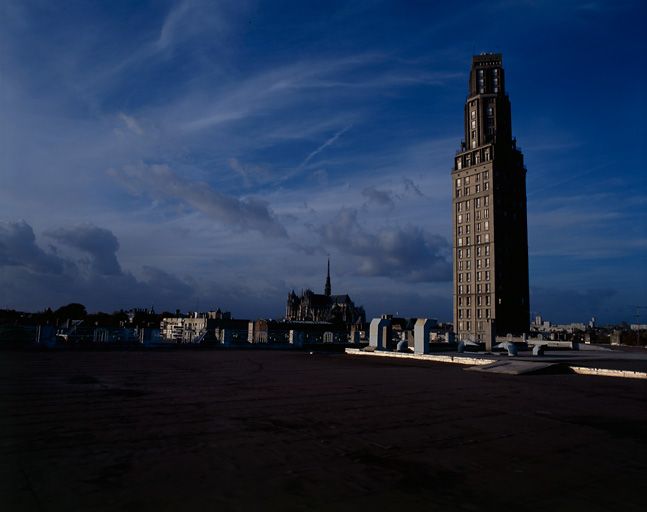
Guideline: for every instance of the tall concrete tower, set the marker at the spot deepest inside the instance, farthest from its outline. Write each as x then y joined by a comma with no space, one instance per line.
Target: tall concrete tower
489,212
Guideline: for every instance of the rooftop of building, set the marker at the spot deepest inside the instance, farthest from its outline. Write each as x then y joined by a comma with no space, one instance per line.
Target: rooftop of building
262,430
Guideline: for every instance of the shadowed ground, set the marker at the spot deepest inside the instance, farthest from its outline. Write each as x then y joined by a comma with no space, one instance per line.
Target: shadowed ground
265,430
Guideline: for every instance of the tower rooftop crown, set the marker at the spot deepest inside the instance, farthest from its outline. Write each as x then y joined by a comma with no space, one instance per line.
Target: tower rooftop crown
487,60
486,75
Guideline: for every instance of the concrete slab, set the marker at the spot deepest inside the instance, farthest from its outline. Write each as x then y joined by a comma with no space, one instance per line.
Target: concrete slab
514,367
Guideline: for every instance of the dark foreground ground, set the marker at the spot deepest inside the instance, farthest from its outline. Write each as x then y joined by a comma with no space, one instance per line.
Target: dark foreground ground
263,430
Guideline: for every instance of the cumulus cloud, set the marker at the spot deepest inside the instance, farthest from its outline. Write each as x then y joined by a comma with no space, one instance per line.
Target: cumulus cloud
161,182
32,278
567,305
379,198
99,243
406,253
18,248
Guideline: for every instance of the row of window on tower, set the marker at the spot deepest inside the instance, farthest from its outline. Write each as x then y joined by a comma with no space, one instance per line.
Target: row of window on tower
481,300
479,239
467,288
478,188
480,276
464,206
478,215
480,313
473,157
467,264
485,175
467,252
467,326
465,230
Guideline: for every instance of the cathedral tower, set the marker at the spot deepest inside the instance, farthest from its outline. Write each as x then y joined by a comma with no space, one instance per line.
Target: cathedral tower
327,288
489,212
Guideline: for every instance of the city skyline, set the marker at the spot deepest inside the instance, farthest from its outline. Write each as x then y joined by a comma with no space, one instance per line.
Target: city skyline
186,155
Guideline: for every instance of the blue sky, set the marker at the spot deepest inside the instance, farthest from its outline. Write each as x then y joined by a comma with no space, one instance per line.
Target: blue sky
198,154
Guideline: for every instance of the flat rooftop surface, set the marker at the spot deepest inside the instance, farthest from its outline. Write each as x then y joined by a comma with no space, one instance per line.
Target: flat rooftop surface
276,430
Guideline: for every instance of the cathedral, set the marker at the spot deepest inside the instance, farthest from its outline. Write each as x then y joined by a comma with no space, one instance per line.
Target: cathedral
316,307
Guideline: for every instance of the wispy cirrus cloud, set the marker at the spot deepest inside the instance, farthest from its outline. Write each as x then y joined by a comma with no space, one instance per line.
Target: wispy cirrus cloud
327,143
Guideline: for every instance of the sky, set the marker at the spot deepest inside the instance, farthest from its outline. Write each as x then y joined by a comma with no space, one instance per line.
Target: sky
200,154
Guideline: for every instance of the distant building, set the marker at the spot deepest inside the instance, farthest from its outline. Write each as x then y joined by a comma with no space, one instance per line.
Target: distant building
273,331
210,327
489,212
315,307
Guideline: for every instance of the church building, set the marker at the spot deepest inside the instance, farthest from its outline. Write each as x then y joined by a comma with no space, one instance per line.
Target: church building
316,307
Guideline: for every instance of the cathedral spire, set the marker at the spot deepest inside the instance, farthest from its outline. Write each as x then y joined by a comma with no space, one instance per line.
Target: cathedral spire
327,289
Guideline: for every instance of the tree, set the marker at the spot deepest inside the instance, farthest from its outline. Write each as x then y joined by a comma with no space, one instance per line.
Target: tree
73,311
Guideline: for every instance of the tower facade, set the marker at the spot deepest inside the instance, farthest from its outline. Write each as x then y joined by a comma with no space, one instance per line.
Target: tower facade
490,233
